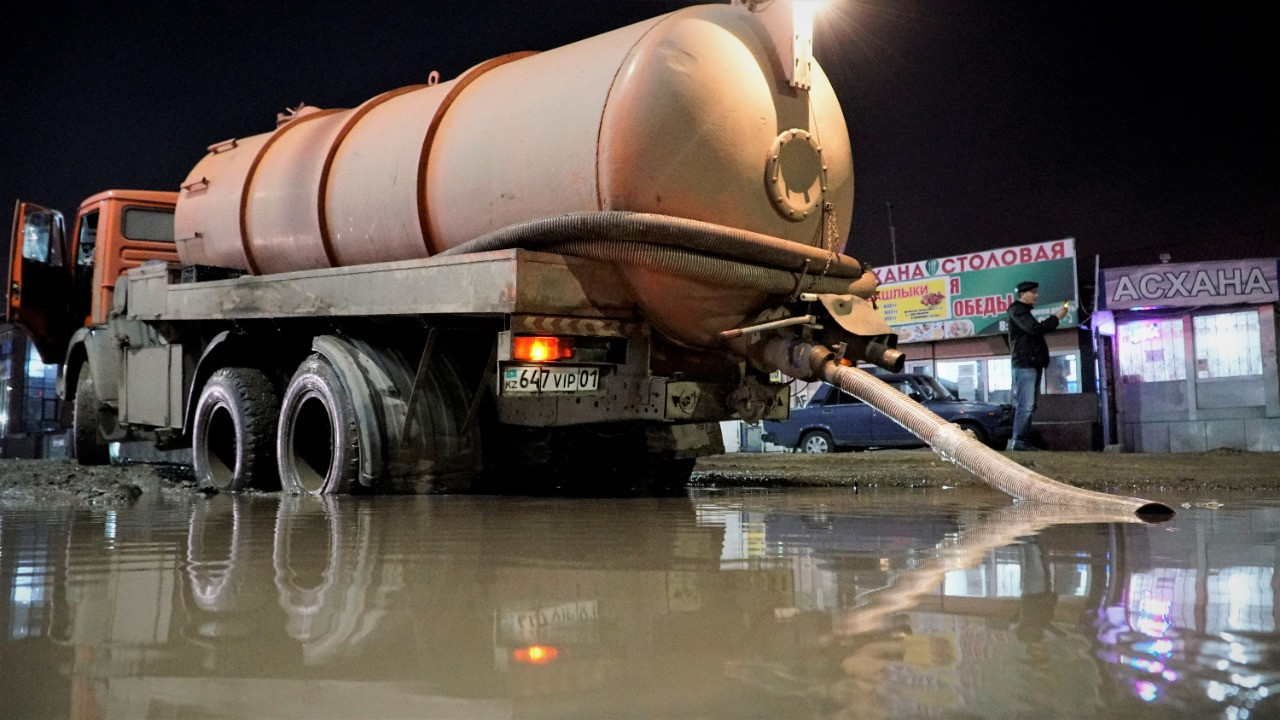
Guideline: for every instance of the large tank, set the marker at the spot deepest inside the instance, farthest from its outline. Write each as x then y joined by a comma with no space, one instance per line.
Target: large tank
687,114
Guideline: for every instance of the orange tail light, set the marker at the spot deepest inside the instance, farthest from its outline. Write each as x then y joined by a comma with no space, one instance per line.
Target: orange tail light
535,654
542,348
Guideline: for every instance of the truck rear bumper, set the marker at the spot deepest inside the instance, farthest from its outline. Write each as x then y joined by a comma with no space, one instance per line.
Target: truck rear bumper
624,398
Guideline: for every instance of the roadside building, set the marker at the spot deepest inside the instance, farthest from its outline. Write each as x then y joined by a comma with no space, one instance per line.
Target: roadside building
949,314
31,423
1189,355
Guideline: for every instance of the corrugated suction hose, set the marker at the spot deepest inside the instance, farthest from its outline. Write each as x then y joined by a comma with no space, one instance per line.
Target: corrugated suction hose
957,446
969,547
694,249
731,257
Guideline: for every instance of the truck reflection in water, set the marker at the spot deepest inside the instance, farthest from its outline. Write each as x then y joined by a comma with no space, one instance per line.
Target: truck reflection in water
719,604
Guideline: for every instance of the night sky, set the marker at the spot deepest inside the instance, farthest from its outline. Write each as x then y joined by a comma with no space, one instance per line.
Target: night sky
1136,128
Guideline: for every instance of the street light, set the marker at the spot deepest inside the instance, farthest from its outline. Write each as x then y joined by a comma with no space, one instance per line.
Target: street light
893,238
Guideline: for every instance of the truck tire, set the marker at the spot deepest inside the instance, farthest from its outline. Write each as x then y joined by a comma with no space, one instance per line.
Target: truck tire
233,441
318,439
817,441
88,444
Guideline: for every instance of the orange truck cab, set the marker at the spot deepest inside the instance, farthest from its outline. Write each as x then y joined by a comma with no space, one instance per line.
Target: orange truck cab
59,283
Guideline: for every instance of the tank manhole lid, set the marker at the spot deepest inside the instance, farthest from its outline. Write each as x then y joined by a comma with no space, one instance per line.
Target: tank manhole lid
795,174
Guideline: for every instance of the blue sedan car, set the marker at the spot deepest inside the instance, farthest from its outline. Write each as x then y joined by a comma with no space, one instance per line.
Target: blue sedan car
835,420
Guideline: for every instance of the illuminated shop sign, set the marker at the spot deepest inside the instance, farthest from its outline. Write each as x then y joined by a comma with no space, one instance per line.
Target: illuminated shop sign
1224,282
968,295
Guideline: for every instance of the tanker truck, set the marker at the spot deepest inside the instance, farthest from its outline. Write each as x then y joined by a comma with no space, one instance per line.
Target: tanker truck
564,266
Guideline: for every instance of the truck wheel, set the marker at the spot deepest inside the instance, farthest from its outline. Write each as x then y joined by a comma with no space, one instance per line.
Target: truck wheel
234,443
88,444
817,441
318,439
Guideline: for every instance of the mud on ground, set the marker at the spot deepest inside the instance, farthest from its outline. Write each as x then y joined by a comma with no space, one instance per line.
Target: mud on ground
1123,473
65,483
50,483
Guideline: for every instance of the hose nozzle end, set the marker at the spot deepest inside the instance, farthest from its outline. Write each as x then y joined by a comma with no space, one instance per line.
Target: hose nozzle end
1155,512
885,357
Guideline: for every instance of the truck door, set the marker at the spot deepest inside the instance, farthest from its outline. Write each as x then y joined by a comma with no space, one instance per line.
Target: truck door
40,279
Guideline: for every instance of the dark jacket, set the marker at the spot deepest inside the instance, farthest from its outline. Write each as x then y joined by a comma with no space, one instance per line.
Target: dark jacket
1027,348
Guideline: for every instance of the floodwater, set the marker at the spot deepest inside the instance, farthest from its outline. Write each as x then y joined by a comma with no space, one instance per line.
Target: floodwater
722,604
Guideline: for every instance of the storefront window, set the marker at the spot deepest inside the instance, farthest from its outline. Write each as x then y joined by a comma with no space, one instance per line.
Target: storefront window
971,377
999,380
964,374
1151,351
1228,345
6,379
41,407
991,379
4,396
1063,374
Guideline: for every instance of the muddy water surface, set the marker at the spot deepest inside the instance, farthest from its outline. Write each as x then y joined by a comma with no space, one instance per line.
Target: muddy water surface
733,604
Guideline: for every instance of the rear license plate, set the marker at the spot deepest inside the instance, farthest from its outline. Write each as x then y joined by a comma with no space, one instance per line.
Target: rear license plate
533,379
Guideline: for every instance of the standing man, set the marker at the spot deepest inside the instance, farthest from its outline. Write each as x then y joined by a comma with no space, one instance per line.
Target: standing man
1029,356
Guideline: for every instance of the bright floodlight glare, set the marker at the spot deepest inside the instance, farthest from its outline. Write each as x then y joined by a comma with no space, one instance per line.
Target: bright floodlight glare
802,17
808,8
